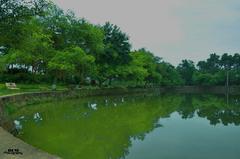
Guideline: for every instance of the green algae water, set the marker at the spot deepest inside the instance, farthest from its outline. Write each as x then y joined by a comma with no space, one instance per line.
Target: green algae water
134,127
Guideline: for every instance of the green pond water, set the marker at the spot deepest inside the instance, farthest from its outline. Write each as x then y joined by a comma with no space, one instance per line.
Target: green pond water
135,127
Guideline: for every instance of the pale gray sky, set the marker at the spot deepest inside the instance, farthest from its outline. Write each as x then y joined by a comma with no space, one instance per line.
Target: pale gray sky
172,29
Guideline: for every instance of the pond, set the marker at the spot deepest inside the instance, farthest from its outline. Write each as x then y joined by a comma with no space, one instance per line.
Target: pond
180,126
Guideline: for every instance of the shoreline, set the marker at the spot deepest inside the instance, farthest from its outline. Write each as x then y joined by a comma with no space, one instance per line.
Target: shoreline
22,99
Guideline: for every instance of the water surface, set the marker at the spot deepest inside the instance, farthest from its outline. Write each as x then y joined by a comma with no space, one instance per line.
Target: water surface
135,127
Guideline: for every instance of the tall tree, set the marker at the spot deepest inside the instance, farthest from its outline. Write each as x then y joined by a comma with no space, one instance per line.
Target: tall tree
35,49
117,46
236,61
115,54
73,63
144,67
211,65
227,63
14,14
170,76
187,68
68,31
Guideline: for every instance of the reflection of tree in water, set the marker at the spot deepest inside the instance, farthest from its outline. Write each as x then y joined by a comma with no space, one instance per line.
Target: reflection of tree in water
214,108
106,132
186,109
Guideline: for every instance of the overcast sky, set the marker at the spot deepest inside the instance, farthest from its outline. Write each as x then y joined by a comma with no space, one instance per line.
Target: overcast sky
172,29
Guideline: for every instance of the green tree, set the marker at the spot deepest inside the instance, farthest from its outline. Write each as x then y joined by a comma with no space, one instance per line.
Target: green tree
115,54
143,67
68,31
186,69
170,76
236,61
34,51
73,63
13,15
227,63
117,46
211,65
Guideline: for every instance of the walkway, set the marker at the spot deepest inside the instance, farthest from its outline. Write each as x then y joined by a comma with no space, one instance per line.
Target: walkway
8,141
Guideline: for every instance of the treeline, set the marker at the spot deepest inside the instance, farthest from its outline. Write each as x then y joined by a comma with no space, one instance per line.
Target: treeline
216,70
39,42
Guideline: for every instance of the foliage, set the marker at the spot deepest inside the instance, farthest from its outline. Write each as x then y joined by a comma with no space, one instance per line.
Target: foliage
186,70
15,14
214,70
73,61
115,54
39,42
170,76
143,68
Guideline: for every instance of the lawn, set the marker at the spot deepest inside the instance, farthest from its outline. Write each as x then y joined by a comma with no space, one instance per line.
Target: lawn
28,88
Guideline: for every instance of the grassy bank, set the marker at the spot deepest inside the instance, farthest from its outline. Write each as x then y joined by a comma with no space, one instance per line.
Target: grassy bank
28,88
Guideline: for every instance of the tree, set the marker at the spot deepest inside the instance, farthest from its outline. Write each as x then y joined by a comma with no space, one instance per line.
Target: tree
236,61
68,31
73,63
227,63
12,10
13,15
35,49
115,54
143,67
117,46
170,76
211,65
186,70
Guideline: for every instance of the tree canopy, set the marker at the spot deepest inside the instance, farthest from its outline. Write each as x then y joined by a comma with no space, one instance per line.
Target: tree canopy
39,42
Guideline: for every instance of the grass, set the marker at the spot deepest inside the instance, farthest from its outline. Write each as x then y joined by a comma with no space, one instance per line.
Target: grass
28,88
23,88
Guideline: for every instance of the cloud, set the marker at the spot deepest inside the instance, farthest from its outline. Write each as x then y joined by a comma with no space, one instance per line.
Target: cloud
172,29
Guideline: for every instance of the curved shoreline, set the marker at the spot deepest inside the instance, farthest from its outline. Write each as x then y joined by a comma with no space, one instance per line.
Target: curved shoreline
8,141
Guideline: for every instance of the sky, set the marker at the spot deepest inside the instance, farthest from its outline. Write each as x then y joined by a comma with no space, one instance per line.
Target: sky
171,29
